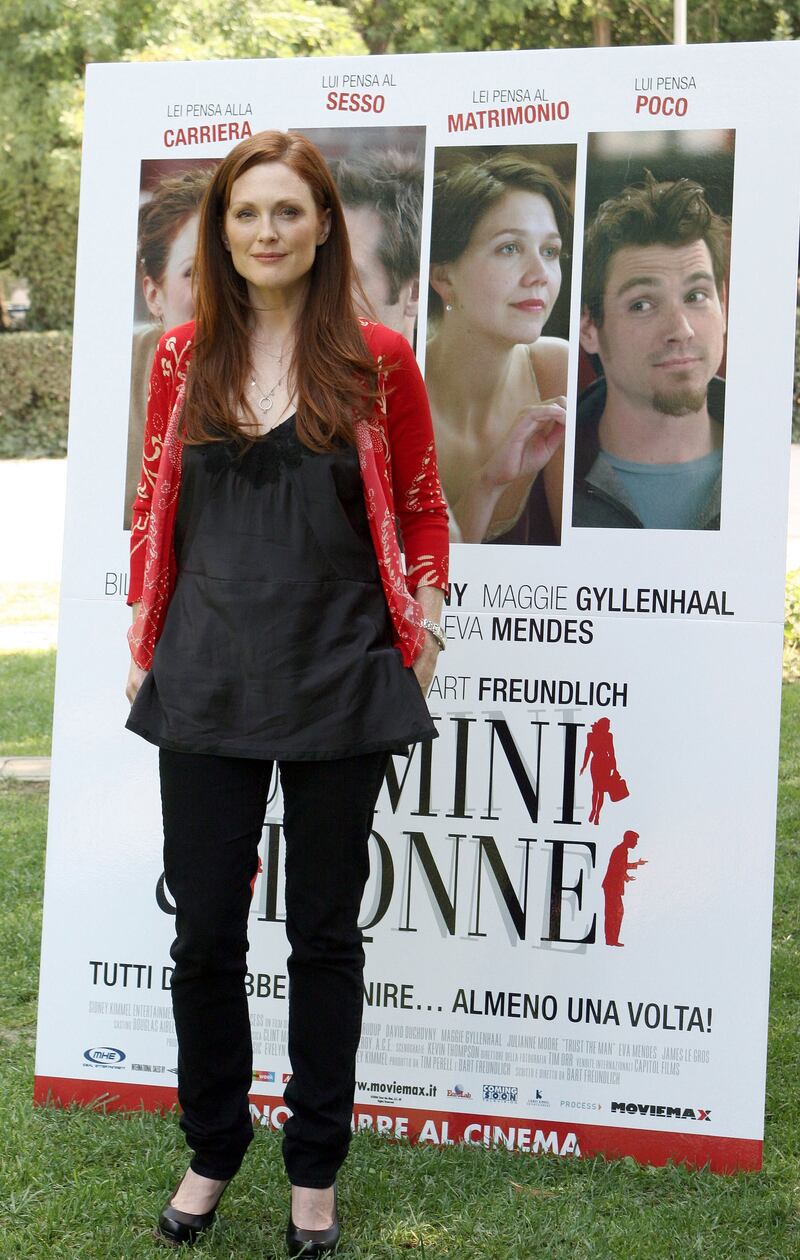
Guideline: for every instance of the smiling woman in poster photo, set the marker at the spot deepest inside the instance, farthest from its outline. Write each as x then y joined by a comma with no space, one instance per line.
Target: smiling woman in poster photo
497,386
273,624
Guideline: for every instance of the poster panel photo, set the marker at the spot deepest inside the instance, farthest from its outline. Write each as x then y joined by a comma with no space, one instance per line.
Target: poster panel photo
654,309
498,326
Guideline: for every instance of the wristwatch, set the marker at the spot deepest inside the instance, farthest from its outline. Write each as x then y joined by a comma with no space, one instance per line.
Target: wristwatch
436,630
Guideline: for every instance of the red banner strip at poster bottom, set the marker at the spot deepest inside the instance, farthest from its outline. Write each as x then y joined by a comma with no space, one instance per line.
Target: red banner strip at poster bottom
447,1128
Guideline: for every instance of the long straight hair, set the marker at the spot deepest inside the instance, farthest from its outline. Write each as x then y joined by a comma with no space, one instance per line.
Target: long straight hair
331,373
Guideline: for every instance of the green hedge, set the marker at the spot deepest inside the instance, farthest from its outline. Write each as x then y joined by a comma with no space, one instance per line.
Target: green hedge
34,394
791,628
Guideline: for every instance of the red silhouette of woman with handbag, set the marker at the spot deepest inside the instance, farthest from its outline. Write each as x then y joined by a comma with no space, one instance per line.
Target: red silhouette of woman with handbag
606,778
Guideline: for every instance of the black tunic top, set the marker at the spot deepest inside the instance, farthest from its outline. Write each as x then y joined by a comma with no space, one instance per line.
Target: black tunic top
277,639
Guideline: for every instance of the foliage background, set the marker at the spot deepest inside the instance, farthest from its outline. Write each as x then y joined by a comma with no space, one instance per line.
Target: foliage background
45,46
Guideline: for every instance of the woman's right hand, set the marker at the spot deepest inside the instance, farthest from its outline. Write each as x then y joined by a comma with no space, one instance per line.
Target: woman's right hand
529,445
531,442
136,677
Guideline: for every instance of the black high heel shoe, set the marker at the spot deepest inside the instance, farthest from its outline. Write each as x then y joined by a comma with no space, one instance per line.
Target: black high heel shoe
184,1228
310,1243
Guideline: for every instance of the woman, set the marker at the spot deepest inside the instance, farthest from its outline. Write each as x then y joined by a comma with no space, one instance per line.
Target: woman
496,385
166,243
267,618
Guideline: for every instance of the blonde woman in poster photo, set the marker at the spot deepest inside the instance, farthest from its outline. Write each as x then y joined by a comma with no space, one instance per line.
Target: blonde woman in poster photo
496,385
274,626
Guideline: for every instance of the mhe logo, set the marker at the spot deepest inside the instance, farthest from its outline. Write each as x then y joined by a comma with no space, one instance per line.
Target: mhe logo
500,1093
103,1056
669,1113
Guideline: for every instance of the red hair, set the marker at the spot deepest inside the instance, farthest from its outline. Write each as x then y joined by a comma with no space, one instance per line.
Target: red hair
331,373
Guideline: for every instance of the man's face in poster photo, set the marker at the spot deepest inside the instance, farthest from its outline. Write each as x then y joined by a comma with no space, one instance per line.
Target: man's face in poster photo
661,337
394,306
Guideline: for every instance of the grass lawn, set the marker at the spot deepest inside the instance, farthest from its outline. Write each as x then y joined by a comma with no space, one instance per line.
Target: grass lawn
28,616
25,603
79,1185
26,703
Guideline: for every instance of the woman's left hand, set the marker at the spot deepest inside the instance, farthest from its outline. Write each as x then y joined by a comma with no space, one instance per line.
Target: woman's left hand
430,599
425,665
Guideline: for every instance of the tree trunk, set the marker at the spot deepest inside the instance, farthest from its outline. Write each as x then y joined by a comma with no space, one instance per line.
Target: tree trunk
377,33
601,29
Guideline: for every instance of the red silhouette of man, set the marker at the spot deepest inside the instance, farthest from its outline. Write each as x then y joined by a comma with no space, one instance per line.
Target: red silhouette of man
600,747
616,877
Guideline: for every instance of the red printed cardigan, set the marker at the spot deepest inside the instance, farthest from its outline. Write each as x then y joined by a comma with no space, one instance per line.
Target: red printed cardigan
398,468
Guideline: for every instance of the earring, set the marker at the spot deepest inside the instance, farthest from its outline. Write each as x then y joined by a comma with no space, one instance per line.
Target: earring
448,306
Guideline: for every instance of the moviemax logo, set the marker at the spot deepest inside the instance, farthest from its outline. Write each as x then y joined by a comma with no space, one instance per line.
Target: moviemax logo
670,1113
414,1091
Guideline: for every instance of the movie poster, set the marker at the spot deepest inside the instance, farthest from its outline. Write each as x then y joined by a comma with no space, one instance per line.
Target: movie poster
567,921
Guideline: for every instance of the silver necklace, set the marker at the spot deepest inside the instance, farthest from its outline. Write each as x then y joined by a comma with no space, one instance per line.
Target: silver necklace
265,401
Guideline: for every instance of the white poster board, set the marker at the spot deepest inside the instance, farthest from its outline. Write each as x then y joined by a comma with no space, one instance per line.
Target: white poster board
496,1011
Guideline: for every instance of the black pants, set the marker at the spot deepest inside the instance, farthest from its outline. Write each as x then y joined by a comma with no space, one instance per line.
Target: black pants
214,810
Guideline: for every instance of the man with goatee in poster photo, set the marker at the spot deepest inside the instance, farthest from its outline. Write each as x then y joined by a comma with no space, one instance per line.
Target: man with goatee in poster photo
648,447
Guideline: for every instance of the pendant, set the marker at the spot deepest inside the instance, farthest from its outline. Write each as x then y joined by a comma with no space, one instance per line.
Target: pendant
265,403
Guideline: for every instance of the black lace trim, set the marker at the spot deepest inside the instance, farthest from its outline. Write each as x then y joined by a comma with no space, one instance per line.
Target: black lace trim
261,461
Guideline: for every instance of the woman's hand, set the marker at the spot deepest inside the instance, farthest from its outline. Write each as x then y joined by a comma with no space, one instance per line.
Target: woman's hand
135,674
136,677
528,447
430,599
531,442
424,666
